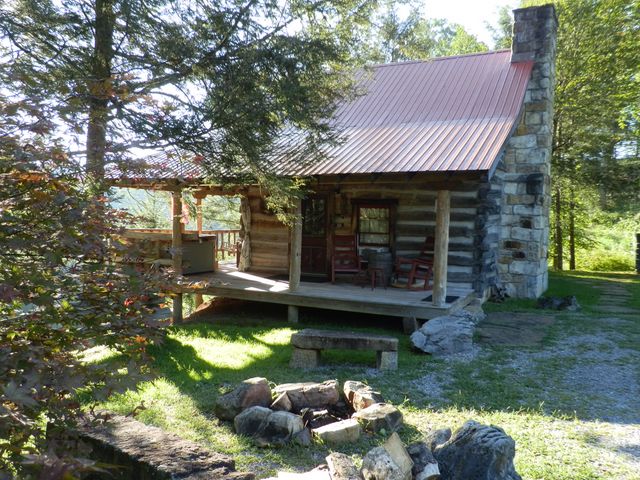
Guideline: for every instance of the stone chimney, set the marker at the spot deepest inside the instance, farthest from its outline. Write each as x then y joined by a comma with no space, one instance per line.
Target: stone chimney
525,169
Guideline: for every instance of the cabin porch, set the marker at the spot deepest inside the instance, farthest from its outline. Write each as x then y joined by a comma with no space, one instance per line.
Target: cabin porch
344,295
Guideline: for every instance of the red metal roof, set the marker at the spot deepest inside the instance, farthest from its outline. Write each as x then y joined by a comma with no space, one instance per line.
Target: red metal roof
447,114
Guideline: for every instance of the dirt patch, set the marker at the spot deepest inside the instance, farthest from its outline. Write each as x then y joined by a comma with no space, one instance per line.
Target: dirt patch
514,329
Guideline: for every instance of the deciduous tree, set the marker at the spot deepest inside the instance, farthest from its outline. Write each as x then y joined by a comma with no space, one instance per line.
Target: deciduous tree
58,298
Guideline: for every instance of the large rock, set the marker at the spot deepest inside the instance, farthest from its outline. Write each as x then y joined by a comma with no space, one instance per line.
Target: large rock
425,466
249,422
378,465
250,393
379,417
282,402
341,467
568,303
267,427
345,431
360,395
310,395
477,452
446,335
399,454
436,438
319,473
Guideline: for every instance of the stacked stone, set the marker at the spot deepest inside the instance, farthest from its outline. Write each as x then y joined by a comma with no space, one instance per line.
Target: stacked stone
486,235
524,171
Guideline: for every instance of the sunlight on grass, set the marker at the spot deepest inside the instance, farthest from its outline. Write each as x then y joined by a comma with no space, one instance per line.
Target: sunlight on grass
228,349
167,407
546,447
99,353
557,435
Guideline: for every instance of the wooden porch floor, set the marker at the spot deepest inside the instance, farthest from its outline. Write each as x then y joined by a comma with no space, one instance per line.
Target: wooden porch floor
344,296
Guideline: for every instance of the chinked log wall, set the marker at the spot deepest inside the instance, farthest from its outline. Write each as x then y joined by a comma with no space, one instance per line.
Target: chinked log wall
473,225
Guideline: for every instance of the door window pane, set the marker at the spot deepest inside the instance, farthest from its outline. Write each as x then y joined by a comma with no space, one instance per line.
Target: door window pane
313,216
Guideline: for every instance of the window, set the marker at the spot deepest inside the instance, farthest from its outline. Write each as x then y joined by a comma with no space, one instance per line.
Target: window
374,224
314,216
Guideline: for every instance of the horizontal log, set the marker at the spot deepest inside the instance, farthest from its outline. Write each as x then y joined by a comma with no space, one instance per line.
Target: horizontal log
430,216
264,269
404,228
265,217
257,244
270,235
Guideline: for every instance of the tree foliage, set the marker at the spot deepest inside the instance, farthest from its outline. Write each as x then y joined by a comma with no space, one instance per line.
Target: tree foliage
58,298
596,118
596,96
396,37
502,31
218,79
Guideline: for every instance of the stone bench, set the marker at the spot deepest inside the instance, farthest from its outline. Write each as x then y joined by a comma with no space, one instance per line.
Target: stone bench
308,343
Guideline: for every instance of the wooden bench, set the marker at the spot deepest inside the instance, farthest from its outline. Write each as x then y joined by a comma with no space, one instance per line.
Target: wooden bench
308,343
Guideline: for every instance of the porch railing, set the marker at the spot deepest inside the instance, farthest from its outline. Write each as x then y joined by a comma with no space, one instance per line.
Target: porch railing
158,241
226,241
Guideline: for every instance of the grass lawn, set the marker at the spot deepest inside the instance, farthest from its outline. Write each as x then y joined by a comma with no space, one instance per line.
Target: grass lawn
543,396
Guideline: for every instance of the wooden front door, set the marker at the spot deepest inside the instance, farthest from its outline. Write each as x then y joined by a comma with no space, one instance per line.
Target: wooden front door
314,235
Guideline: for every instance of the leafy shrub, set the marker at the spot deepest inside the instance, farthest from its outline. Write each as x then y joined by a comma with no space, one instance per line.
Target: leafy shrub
58,297
601,260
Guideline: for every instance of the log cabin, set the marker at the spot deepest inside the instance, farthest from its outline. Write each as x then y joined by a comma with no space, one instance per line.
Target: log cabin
451,155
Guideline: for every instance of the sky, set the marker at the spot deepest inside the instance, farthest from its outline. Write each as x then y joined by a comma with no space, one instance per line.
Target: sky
471,14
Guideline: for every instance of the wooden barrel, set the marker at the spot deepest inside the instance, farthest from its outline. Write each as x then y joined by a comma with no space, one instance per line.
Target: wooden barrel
382,260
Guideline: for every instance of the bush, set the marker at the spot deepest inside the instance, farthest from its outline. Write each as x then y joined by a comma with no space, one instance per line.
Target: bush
58,297
601,260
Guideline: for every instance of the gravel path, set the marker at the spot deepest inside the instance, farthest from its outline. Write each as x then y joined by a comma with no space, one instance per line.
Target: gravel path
591,371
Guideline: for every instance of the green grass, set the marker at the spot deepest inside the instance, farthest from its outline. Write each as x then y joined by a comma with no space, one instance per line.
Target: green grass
556,436
582,284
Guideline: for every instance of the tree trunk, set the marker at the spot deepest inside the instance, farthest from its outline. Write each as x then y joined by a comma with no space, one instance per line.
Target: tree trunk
100,88
557,264
572,233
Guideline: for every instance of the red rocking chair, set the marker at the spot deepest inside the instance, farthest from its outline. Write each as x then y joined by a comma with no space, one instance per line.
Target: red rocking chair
345,258
415,273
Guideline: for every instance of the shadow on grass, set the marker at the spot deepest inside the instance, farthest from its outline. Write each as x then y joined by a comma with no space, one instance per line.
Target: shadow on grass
244,340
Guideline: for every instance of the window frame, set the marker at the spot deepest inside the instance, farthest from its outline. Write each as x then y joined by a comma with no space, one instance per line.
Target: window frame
390,205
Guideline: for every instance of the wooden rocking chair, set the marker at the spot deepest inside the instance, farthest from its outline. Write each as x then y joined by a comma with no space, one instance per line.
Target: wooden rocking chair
415,273
345,258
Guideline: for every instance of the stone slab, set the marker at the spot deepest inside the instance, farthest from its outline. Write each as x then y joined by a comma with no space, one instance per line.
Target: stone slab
345,431
330,339
514,329
615,309
146,452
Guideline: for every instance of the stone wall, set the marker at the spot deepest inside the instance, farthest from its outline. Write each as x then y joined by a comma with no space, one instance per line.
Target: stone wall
523,175
486,239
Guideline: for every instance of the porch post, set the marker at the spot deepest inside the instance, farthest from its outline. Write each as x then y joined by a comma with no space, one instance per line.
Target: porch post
176,249
296,248
441,249
199,196
199,213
